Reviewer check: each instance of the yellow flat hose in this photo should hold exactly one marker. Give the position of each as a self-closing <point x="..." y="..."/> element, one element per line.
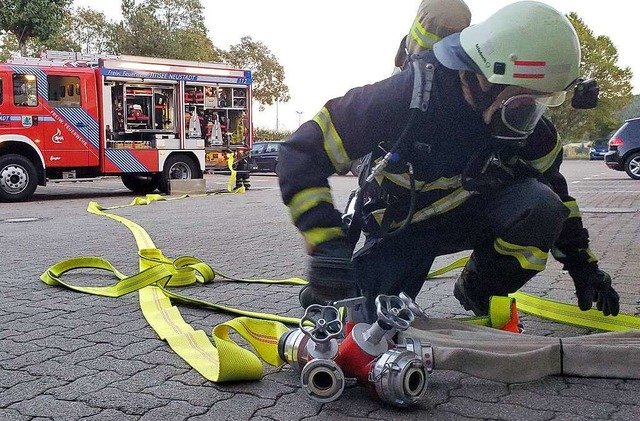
<point x="560" y="312"/>
<point x="227" y="361"/>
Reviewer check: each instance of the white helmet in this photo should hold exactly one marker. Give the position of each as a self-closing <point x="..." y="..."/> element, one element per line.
<point x="527" y="44"/>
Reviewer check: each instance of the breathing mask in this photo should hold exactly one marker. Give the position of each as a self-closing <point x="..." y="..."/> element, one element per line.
<point x="518" y="115"/>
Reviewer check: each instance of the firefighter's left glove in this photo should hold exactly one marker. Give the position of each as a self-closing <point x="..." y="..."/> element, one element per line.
<point x="330" y="274"/>
<point x="594" y="286"/>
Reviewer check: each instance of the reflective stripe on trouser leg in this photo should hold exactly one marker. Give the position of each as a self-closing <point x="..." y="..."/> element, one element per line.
<point x="526" y="219"/>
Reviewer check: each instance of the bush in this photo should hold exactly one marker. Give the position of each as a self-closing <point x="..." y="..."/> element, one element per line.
<point x="262" y="135"/>
<point x="576" y="151"/>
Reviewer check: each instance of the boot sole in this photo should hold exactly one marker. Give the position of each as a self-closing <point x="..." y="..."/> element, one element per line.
<point x="467" y="303"/>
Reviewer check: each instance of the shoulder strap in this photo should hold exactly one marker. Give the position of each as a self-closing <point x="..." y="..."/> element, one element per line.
<point x="424" y="66"/>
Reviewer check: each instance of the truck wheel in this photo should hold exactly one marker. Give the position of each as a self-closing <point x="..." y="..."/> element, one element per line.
<point x="18" y="178"/>
<point x="178" y="167"/>
<point x="140" y="183"/>
<point x="632" y="166"/>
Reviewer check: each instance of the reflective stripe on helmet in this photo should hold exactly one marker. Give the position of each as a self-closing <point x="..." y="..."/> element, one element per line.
<point x="527" y="44"/>
<point x="424" y="38"/>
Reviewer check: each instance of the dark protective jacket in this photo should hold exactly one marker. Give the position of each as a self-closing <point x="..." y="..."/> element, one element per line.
<point x="445" y="139"/>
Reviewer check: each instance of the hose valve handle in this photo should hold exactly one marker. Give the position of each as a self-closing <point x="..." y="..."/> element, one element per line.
<point x="393" y="312"/>
<point x="327" y="327"/>
<point x="393" y="316"/>
<point x="413" y="306"/>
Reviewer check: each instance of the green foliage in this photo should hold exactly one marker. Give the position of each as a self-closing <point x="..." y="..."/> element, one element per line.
<point x="599" y="61"/>
<point x="34" y="46"/>
<point x="268" y="73"/>
<point x="270" y="135"/>
<point x="164" y="28"/>
<point x="152" y="28"/>
<point x="92" y="31"/>
<point x="175" y="29"/>
<point x="32" y="19"/>
<point x="631" y="111"/>
<point x="8" y="45"/>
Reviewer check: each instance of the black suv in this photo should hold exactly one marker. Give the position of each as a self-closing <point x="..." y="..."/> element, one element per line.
<point x="624" y="149"/>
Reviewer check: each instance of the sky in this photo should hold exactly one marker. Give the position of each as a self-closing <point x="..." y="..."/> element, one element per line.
<point x="327" y="47"/>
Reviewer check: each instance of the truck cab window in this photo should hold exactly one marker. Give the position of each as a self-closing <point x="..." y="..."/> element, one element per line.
<point x="25" y="90"/>
<point x="64" y="91"/>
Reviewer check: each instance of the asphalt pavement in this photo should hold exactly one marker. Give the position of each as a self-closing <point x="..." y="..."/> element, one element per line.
<point x="71" y="356"/>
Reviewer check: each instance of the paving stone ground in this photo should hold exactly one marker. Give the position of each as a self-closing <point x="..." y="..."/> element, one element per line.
<point x="71" y="356"/>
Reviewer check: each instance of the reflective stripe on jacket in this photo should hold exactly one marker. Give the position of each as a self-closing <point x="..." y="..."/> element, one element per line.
<point x="370" y="119"/>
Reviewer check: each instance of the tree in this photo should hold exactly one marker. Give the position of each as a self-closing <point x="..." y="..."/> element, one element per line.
<point x="599" y="61"/>
<point x="61" y="39"/>
<point x="175" y="29"/>
<point x="91" y="31"/>
<point x="268" y="73"/>
<point x="8" y="46"/>
<point x="27" y="19"/>
<point x="153" y="28"/>
<point x="164" y="28"/>
<point x="33" y="47"/>
<point x="632" y="110"/>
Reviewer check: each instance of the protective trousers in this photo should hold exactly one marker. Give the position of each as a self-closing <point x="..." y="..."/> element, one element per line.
<point x="510" y="232"/>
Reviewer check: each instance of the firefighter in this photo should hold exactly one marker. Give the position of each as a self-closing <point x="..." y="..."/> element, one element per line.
<point x="434" y="20"/>
<point x="476" y="168"/>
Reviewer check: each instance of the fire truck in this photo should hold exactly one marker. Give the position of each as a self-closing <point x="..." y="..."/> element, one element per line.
<point x="75" y="117"/>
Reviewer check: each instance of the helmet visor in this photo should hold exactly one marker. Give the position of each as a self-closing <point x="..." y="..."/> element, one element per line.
<point x="521" y="113"/>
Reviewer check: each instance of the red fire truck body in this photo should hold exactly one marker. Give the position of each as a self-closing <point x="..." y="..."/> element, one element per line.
<point x="68" y="117"/>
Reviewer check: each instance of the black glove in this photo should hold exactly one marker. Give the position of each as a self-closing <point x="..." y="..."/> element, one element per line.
<point x="330" y="274"/>
<point x="594" y="285"/>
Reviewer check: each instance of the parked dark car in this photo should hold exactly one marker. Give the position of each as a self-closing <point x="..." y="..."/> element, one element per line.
<point x="624" y="149"/>
<point x="598" y="149"/>
<point x="264" y="156"/>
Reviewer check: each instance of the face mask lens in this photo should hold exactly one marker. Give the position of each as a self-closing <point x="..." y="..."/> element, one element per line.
<point x="521" y="113"/>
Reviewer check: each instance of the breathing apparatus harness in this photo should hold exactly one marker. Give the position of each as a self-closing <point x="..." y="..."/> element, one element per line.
<point x="396" y="157"/>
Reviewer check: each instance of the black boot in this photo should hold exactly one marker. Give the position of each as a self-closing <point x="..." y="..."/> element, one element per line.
<point x="310" y="294"/>
<point x="330" y="274"/>
<point x="471" y="291"/>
